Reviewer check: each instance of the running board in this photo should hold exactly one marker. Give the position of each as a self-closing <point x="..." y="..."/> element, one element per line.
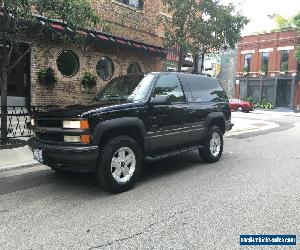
<point x="172" y="153"/>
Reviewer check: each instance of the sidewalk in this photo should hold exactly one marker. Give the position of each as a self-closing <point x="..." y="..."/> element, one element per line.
<point x="277" y="112"/>
<point x="15" y="158"/>
<point x="244" y="125"/>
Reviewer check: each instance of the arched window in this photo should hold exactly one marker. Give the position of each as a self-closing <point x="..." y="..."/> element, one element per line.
<point x="105" y="68"/>
<point x="139" y="4"/>
<point x="67" y="63"/>
<point x="134" y="68"/>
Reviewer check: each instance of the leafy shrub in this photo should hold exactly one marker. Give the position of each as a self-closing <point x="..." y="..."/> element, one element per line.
<point x="89" y="80"/>
<point x="266" y="105"/>
<point x="252" y="99"/>
<point x="46" y="76"/>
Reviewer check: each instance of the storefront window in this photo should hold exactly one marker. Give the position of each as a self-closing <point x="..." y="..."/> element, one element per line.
<point x="265" y="62"/>
<point x="105" y="68"/>
<point x="134" y="68"/>
<point x="67" y="63"/>
<point x="247" y="62"/>
<point x="284" y="65"/>
<point x="139" y="4"/>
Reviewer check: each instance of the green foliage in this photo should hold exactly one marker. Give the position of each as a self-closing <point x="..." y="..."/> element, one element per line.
<point x="217" y="26"/>
<point x="284" y="67"/>
<point x="252" y="100"/>
<point x="266" y="105"/>
<point x="263" y="69"/>
<point x="46" y="76"/>
<point x="296" y="21"/>
<point x="89" y="80"/>
<point x="283" y="23"/>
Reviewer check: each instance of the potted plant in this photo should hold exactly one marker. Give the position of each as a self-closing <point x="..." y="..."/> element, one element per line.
<point x="246" y="71"/>
<point x="284" y="68"/>
<point x="89" y="80"/>
<point x="263" y="70"/>
<point x="46" y="76"/>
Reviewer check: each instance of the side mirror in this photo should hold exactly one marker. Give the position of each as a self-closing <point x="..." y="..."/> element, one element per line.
<point x="160" y="100"/>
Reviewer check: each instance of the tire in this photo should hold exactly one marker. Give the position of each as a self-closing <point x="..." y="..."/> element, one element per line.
<point x="240" y="109"/>
<point x="114" y="173"/>
<point x="210" y="153"/>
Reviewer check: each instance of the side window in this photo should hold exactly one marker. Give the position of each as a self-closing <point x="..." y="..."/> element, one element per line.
<point x="169" y="85"/>
<point x="205" y="89"/>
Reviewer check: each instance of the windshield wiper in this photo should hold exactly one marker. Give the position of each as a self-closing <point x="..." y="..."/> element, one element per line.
<point x="112" y="97"/>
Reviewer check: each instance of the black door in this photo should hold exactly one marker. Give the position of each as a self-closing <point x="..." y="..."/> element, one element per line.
<point x="168" y="124"/>
<point x="284" y="93"/>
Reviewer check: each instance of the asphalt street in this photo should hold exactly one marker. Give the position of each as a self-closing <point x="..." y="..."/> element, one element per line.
<point x="179" y="203"/>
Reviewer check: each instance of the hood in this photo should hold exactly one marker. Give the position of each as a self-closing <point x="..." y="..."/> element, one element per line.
<point x="80" y="110"/>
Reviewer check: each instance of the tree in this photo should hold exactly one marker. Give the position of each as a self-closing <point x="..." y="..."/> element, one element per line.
<point x="296" y="21"/>
<point x="283" y="23"/>
<point x="17" y="21"/>
<point x="178" y="28"/>
<point x="203" y="26"/>
<point x="219" y="26"/>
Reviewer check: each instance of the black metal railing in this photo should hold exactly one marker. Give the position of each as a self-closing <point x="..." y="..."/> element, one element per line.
<point x="18" y="123"/>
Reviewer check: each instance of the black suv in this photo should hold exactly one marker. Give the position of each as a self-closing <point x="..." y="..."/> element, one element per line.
<point x="134" y="117"/>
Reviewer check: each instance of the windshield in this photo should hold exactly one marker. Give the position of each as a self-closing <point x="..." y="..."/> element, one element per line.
<point x="130" y="87"/>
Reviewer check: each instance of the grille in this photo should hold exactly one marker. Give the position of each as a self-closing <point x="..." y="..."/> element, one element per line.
<point x="50" y="136"/>
<point x="51" y="123"/>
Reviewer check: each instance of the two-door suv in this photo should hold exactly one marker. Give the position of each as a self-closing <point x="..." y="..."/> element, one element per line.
<point x="135" y="117"/>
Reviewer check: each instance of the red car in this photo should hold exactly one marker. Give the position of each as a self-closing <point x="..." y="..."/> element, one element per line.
<point x="240" y="105"/>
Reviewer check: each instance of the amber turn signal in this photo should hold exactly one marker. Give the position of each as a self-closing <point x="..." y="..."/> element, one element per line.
<point x="84" y="124"/>
<point x="85" y="139"/>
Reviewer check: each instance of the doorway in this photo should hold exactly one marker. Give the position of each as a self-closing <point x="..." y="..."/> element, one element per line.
<point x="18" y="88"/>
<point x="283" y="93"/>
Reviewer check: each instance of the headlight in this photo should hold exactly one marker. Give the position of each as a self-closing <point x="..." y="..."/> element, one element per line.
<point x="32" y="122"/>
<point x="82" y="124"/>
<point x="71" y="124"/>
<point x="68" y="138"/>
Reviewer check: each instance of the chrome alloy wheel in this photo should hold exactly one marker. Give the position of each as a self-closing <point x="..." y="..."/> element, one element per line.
<point x="123" y="165"/>
<point x="215" y="144"/>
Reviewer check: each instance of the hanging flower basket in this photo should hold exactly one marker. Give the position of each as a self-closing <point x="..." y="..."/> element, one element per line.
<point x="46" y="76"/>
<point x="89" y="80"/>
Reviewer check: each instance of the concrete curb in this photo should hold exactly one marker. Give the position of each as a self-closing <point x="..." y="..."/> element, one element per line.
<point x="18" y="166"/>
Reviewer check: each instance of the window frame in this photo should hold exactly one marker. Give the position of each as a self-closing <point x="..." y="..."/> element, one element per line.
<point x="263" y="62"/>
<point x="76" y="58"/>
<point x="245" y="59"/>
<point x="152" y="95"/>
<point x="281" y="58"/>
<point x="113" y="68"/>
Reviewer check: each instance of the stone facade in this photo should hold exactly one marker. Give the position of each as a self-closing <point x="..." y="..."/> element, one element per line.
<point x="125" y="21"/>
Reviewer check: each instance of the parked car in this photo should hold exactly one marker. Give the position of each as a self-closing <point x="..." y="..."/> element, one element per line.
<point x="240" y="105"/>
<point x="135" y="117"/>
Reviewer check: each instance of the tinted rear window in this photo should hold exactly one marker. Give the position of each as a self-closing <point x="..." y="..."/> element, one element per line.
<point x="204" y="89"/>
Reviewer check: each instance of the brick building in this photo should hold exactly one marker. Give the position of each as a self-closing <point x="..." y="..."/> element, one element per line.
<point x="135" y="43"/>
<point x="268" y="70"/>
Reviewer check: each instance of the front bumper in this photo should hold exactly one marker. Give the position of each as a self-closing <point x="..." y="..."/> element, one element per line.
<point x="68" y="158"/>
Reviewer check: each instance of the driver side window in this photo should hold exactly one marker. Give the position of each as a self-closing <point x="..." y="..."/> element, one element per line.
<point x="168" y="84"/>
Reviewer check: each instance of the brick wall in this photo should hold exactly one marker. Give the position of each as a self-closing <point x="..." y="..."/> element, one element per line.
<point x="68" y="90"/>
<point x="266" y="41"/>
<point x="141" y="25"/>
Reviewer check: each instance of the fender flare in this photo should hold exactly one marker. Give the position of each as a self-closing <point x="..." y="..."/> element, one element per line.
<point x="107" y="125"/>
<point x="209" y="118"/>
